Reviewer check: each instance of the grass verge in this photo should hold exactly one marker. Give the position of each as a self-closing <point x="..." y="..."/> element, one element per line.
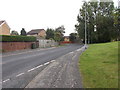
<point x="99" y="66"/>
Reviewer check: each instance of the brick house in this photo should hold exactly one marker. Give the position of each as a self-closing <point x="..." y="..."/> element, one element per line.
<point x="39" y="33"/>
<point x="4" y="28"/>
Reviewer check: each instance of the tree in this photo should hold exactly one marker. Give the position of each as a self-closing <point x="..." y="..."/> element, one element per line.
<point x="99" y="14"/>
<point x="14" y="32"/>
<point x="50" y="33"/>
<point x="73" y="37"/>
<point x="59" y="33"/>
<point x="61" y="29"/>
<point x="117" y="22"/>
<point x="56" y="34"/>
<point x="23" y="32"/>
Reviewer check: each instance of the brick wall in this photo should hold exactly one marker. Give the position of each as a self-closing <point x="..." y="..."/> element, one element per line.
<point x="13" y="46"/>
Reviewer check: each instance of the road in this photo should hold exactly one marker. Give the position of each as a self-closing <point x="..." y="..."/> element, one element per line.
<point x="18" y="68"/>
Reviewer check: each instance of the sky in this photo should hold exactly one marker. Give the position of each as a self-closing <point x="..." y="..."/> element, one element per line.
<point x="41" y="14"/>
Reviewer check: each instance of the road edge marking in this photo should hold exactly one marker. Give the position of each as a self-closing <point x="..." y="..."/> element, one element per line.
<point x="46" y="63"/>
<point x="5" y="80"/>
<point x="20" y="74"/>
<point x="52" y="61"/>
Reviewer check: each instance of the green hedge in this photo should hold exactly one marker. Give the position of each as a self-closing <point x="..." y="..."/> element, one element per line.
<point x="8" y="38"/>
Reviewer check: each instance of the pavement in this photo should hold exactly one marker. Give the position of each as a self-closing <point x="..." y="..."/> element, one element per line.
<point x="62" y="73"/>
<point x="21" y="67"/>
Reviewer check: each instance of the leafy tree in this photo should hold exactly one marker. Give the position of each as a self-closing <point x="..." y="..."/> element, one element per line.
<point x="117" y="22"/>
<point x="73" y="37"/>
<point x="50" y="33"/>
<point x="59" y="33"/>
<point x="23" y="32"/>
<point x="56" y="34"/>
<point x="99" y="14"/>
<point x="61" y="29"/>
<point x="14" y="32"/>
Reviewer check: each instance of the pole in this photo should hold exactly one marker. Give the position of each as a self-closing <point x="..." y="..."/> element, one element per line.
<point x="85" y="26"/>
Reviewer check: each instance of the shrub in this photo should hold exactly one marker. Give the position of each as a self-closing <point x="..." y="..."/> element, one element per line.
<point x="8" y="38"/>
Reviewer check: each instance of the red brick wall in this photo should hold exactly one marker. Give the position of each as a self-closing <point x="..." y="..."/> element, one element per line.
<point x="13" y="46"/>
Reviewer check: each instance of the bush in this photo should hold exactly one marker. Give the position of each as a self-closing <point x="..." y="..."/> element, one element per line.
<point x="7" y="38"/>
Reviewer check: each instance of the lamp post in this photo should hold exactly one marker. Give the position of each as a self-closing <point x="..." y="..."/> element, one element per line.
<point x="85" y="26"/>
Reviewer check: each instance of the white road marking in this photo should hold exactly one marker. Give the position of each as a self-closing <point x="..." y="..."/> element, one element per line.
<point x="46" y="63"/>
<point x="79" y="49"/>
<point x="52" y="60"/>
<point x="19" y="74"/>
<point x="34" y="68"/>
<point x="31" y="69"/>
<point x="6" y="80"/>
<point x="39" y="66"/>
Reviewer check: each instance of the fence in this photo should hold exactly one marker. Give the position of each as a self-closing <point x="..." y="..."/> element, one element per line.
<point x="47" y="43"/>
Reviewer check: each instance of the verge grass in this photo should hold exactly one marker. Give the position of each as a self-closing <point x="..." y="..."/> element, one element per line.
<point x="99" y="66"/>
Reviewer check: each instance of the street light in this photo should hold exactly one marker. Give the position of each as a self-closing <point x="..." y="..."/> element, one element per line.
<point x="85" y="26"/>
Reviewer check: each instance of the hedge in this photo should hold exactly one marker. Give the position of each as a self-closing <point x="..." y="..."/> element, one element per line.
<point x="8" y="38"/>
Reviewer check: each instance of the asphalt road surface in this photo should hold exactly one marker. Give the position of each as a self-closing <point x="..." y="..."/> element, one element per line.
<point x="18" y="68"/>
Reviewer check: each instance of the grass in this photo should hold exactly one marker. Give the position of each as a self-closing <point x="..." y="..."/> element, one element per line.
<point x="99" y="66"/>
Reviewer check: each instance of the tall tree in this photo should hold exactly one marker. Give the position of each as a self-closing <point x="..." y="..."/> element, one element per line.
<point x="23" y="32"/>
<point x="73" y="37"/>
<point x="59" y="33"/>
<point x="60" y="30"/>
<point x="117" y="22"/>
<point x="50" y="33"/>
<point x="99" y="14"/>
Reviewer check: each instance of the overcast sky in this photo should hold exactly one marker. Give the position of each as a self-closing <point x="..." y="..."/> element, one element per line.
<point x="40" y="14"/>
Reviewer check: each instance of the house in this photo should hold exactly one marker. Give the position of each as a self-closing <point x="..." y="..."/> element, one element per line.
<point x="39" y="33"/>
<point x="4" y="28"/>
<point x="66" y="38"/>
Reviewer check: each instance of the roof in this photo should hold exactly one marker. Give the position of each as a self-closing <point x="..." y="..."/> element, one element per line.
<point x="1" y="22"/>
<point x="35" y="31"/>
